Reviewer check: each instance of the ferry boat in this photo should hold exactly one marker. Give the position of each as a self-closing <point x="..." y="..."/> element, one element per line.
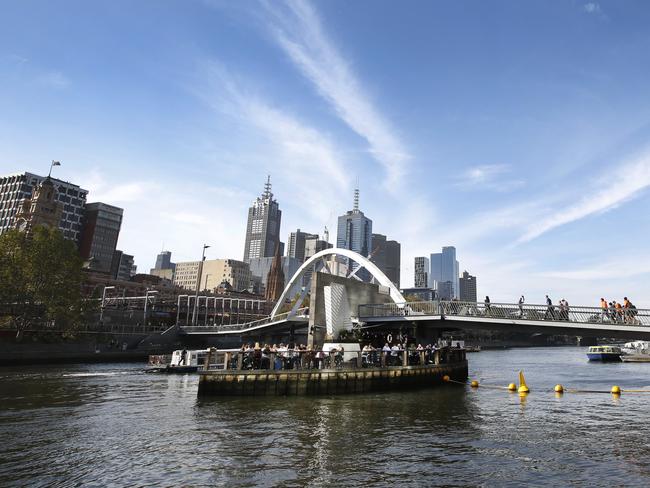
<point x="176" y="363"/>
<point x="605" y="353"/>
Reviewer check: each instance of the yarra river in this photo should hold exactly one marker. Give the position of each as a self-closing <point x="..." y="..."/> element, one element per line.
<point x="113" y="425"/>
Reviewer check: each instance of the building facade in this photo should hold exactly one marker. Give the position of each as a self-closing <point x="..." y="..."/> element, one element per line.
<point x="164" y="266"/>
<point x="421" y="272"/>
<point x="354" y="232"/>
<point x="386" y="254"/>
<point x="275" y="279"/>
<point x="419" y="294"/>
<point x="101" y="229"/>
<point x="18" y="187"/>
<point x="468" y="287"/>
<point x="444" y="269"/>
<point x="215" y="271"/>
<point x="296" y="244"/>
<point x="122" y="266"/>
<point x="263" y="227"/>
<point x="260" y="268"/>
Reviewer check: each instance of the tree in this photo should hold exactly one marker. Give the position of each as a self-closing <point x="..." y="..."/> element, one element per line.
<point x="40" y="280"/>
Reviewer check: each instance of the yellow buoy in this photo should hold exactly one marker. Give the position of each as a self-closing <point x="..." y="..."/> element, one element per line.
<point x="512" y="387"/>
<point x="523" y="388"/>
<point x="474" y="384"/>
<point x="559" y="389"/>
<point x="445" y="378"/>
<point x="616" y="390"/>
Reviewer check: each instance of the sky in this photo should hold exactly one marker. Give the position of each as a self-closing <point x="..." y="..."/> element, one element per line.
<point x="518" y="132"/>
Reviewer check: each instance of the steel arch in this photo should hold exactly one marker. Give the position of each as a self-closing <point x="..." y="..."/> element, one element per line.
<point x="356" y="257"/>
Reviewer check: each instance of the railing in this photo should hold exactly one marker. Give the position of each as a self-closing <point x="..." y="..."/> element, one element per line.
<point x="300" y="313"/>
<point x="510" y="311"/>
<point x="299" y="360"/>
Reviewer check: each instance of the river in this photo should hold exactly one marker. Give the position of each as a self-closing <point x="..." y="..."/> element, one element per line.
<point x="114" y="425"/>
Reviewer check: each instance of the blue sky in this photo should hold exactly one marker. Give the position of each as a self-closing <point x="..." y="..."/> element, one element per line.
<point x="517" y="131"/>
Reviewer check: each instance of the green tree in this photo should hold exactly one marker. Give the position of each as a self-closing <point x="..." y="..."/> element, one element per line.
<point x="40" y="280"/>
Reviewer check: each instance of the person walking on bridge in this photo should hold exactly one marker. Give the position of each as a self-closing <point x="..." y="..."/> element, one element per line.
<point x="487" y="305"/>
<point x="603" y="310"/>
<point x="550" y="310"/>
<point x="521" y="307"/>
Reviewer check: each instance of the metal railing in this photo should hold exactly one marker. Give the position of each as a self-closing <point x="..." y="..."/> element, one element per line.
<point x="300" y="313"/>
<point x="512" y="311"/>
<point x="305" y="360"/>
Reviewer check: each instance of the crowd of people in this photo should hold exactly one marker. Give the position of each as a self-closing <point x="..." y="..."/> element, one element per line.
<point x="292" y="356"/>
<point x="618" y="313"/>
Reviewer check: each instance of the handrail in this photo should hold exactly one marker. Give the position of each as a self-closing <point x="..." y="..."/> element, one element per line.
<point x="512" y="311"/>
<point x="249" y="325"/>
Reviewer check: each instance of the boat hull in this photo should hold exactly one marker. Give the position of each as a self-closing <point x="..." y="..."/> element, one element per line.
<point x="604" y="357"/>
<point x="636" y="358"/>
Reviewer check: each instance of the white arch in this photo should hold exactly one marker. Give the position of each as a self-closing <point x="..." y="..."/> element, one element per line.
<point x="356" y="257"/>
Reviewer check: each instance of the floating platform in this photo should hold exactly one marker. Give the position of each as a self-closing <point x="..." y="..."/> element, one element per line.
<point x="346" y="380"/>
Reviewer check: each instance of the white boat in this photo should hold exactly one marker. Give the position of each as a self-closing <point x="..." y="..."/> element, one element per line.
<point x="180" y="361"/>
<point x="636" y="352"/>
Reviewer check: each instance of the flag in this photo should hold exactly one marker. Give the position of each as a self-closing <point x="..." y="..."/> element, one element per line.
<point x="56" y="163"/>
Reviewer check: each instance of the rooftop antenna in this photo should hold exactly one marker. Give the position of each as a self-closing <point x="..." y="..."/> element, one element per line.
<point x="267" y="188"/>
<point x="356" y="197"/>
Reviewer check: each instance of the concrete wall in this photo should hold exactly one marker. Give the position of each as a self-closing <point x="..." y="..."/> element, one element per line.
<point x="359" y="293"/>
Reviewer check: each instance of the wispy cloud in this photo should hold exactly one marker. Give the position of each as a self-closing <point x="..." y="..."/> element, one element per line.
<point x="631" y="179"/>
<point x="609" y="270"/>
<point x="54" y="79"/>
<point x="102" y="190"/>
<point x="592" y="8"/>
<point x="298" y="29"/>
<point x="489" y="177"/>
<point x="307" y="159"/>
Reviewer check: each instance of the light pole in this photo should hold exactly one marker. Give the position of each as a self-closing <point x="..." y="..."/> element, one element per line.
<point x="146" y="301"/>
<point x="101" y="313"/>
<point x="198" y="285"/>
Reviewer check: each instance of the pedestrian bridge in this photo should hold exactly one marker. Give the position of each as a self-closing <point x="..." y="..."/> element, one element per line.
<point x="578" y="320"/>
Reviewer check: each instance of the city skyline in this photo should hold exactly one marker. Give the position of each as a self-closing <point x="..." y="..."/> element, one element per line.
<point x="524" y="151"/>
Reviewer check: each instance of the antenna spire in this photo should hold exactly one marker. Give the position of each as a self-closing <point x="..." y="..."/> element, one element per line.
<point x="267" y="187"/>
<point x="356" y="199"/>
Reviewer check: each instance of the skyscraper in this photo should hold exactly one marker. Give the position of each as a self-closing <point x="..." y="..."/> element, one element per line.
<point x="263" y="228"/>
<point x="421" y="277"/>
<point x="386" y="254"/>
<point x="164" y="266"/>
<point x="467" y="287"/>
<point x="354" y="232"/>
<point x="101" y="230"/>
<point x="444" y="269"/>
<point x="296" y="244"/>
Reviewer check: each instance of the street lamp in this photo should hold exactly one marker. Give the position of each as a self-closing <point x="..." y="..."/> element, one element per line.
<point x="146" y="301"/>
<point x="101" y="313"/>
<point x="198" y="285"/>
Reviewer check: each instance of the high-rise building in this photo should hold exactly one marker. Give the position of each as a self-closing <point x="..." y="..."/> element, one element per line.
<point x="122" y="266"/>
<point x="18" y="187"/>
<point x="444" y="268"/>
<point x="215" y="272"/>
<point x="386" y="254"/>
<point x="101" y="229"/>
<point x="314" y="245"/>
<point x="260" y="268"/>
<point x="421" y="276"/>
<point x="263" y="227"/>
<point x="164" y="266"/>
<point x="296" y="244"/>
<point x="164" y="260"/>
<point x="354" y="232"/>
<point x="467" y="287"/>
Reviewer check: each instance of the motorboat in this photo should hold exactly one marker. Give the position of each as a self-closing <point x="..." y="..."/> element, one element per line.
<point x="180" y="361"/>
<point x="636" y="352"/>
<point x="605" y="353"/>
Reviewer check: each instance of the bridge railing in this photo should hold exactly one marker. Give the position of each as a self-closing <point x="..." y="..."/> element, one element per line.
<point x="301" y="312"/>
<point x="512" y="311"/>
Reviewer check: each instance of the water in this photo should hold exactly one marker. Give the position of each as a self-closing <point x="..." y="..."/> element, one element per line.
<point x="113" y="425"/>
